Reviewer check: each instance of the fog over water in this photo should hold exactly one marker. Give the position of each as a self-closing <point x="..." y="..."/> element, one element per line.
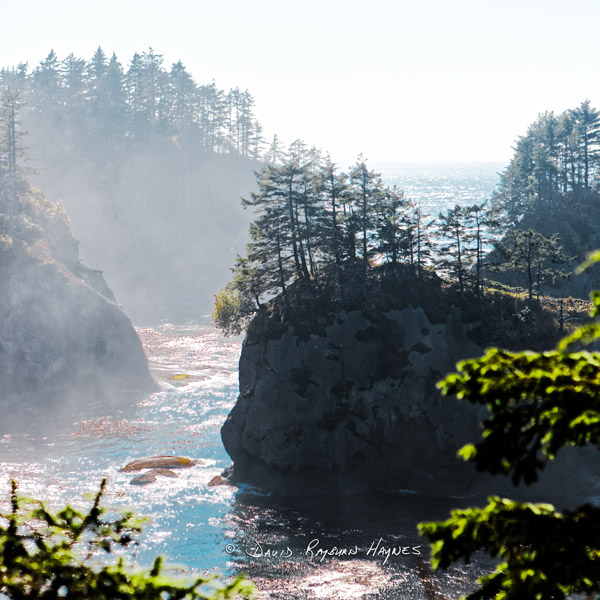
<point x="168" y="232"/>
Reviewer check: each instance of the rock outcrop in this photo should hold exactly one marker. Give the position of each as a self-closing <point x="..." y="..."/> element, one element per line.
<point x="61" y="331"/>
<point x="353" y="408"/>
<point x="346" y="402"/>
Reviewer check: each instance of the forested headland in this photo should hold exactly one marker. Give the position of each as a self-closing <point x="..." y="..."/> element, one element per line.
<point x="346" y="238"/>
<point x="149" y="164"/>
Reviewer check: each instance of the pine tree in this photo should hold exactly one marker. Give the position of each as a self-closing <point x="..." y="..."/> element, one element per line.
<point x="482" y="226"/>
<point x="334" y="189"/>
<point x="96" y="75"/>
<point x="115" y="106"/>
<point x="11" y="150"/>
<point x="257" y="141"/>
<point x="275" y="153"/>
<point x="587" y="120"/>
<point x="533" y="256"/>
<point x="134" y="83"/>
<point x="452" y="228"/>
<point x="182" y="95"/>
<point x="391" y="225"/>
<point x="419" y="240"/>
<point x="366" y="189"/>
<point x="73" y="92"/>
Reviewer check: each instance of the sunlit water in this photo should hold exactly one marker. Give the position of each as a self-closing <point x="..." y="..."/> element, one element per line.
<point x="60" y="456"/>
<point x="438" y="186"/>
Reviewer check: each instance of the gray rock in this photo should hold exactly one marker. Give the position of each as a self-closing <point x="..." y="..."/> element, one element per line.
<point x="354" y="409"/>
<point x="63" y="338"/>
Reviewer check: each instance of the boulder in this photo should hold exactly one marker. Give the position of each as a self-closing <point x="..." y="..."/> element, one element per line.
<point x="160" y="464"/>
<point x="150" y="476"/>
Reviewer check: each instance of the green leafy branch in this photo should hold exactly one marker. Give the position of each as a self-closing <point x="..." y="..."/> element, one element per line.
<point x="50" y="555"/>
<point x="538" y="403"/>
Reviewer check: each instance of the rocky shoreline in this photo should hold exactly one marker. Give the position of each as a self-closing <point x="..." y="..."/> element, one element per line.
<point x="63" y="337"/>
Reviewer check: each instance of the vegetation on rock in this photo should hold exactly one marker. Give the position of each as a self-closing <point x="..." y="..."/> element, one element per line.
<point x="324" y="229"/>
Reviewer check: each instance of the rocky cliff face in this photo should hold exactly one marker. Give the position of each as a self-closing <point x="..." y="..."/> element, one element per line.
<point x="61" y="331"/>
<point x="353" y="408"/>
<point x="349" y="405"/>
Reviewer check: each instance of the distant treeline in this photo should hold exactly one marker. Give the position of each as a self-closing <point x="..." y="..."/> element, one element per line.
<point x="99" y="98"/>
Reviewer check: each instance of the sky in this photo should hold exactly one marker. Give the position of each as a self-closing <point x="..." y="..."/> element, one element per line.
<point x="395" y="80"/>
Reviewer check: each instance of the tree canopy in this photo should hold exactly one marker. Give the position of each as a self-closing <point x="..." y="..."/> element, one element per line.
<point x="100" y="97"/>
<point x="312" y="221"/>
<point x="318" y="227"/>
<point x="552" y="182"/>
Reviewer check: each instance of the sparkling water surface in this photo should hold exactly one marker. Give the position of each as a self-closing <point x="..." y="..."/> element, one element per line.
<point x="310" y="548"/>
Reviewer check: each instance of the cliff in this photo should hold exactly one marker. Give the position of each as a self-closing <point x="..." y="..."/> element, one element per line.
<point x="345" y="401"/>
<point x="354" y="407"/>
<point x="61" y="332"/>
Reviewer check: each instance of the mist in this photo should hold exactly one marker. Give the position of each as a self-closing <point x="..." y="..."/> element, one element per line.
<point x="150" y="167"/>
<point x="167" y="232"/>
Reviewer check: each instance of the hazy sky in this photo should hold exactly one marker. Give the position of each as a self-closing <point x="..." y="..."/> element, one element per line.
<point x="398" y="80"/>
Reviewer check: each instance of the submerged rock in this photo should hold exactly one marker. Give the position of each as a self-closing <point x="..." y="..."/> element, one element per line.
<point x="150" y="476"/>
<point x="218" y="480"/>
<point x="144" y="479"/>
<point x="159" y="464"/>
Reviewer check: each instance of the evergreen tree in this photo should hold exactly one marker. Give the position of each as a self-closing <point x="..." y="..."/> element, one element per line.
<point x="482" y="226"/>
<point x="334" y="189"/>
<point x="115" y="106"/>
<point x="153" y="85"/>
<point x="134" y="83"/>
<point x="46" y="80"/>
<point x="275" y="153"/>
<point x="454" y="253"/>
<point x="419" y="240"/>
<point x="391" y="225"/>
<point x="274" y="236"/>
<point x="11" y="150"/>
<point x="74" y="85"/>
<point x="183" y="89"/>
<point x="97" y="71"/>
<point x="532" y="255"/>
<point x="293" y="182"/>
<point x="587" y="120"/>
<point x="257" y="141"/>
<point x="366" y="189"/>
